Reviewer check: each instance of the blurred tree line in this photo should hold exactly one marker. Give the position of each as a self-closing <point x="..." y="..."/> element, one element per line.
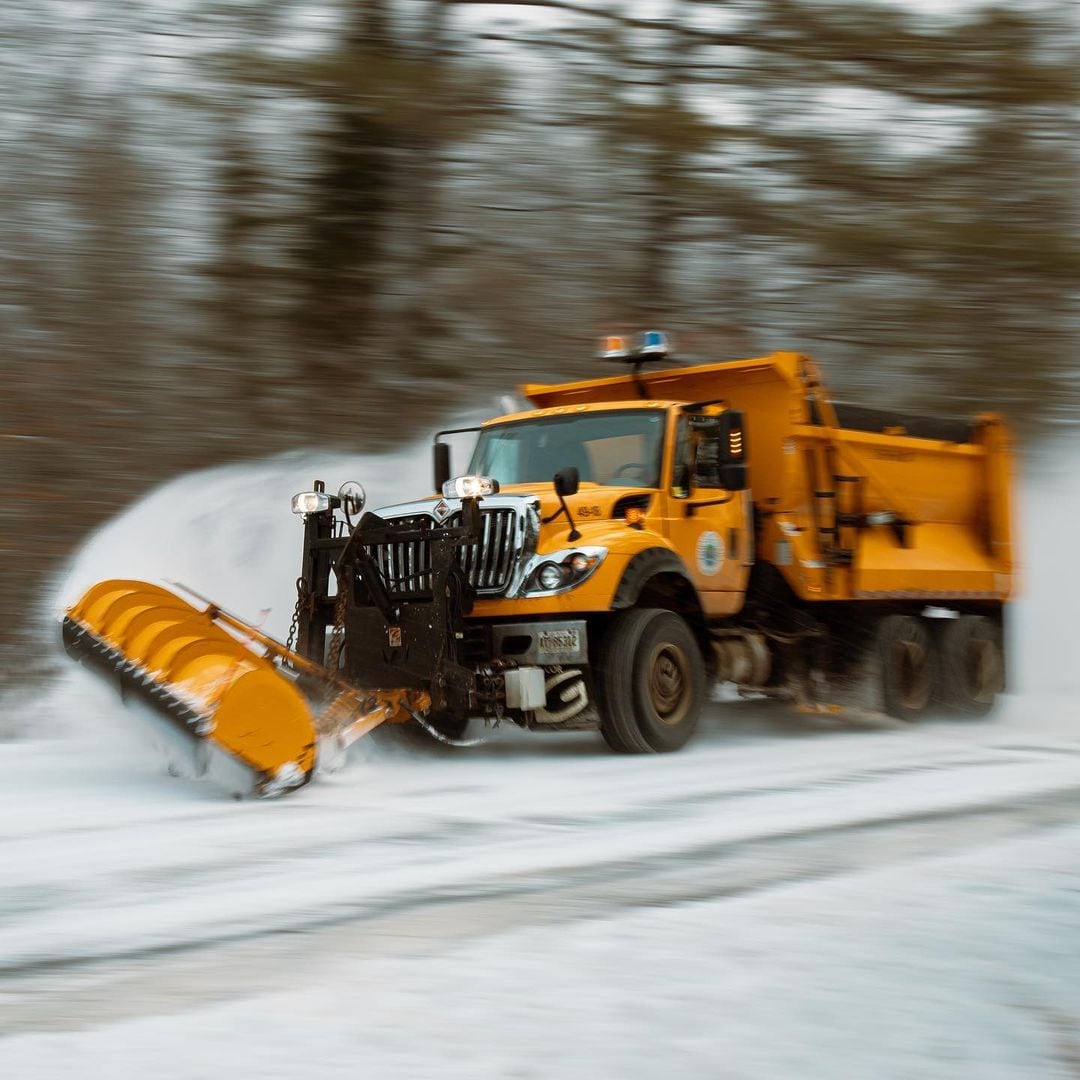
<point x="230" y="227"/>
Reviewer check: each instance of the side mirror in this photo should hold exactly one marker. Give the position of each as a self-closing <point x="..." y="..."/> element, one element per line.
<point x="733" y="472"/>
<point x="441" y="454"/>
<point x="566" y="481"/>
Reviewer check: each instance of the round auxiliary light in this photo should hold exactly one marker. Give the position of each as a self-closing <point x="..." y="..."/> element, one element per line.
<point x="550" y="576"/>
<point x="579" y="563"/>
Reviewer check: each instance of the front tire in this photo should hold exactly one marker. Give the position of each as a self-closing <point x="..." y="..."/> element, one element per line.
<point x="652" y="682"/>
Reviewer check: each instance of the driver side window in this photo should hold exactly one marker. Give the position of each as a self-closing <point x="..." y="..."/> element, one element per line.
<point x="697" y="456"/>
<point x="705" y="445"/>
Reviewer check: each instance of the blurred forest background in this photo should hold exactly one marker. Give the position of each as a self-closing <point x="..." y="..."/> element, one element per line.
<point x="234" y="227"/>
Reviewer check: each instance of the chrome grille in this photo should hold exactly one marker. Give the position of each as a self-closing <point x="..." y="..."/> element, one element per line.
<point x="488" y="565"/>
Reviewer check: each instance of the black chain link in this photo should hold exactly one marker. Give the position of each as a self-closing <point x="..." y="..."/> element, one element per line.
<point x="303" y="606"/>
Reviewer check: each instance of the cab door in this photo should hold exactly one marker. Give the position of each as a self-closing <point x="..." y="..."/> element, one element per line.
<point x="709" y="519"/>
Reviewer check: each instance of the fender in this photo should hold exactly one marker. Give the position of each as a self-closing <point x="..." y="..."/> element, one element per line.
<point x="644" y="566"/>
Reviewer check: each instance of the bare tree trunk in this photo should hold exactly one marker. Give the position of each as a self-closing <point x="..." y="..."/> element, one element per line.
<point x="419" y="328"/>
<point x="662" y="219"/>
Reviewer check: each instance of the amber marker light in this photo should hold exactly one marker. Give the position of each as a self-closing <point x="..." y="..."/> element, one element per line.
<point x="614" y="348"/>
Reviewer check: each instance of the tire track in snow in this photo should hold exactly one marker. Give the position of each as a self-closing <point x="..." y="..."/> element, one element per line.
<point x="71" y="994"/>
<point x="362" y="880"/>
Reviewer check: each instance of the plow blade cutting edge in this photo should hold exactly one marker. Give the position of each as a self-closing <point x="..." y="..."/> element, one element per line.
<point x="228" y="709"/>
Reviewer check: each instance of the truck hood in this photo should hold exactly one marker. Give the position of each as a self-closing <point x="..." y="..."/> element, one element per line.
<point x="593" y="502"/>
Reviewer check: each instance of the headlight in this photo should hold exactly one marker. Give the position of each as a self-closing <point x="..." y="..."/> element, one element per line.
<point x="551" y="576"/>
<point x="559" y="571"/>
<point x="470" y="487"/>
<point x="310" y="502"/>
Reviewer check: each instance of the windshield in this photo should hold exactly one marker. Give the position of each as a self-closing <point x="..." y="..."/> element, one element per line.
<point x="617" y="448"/>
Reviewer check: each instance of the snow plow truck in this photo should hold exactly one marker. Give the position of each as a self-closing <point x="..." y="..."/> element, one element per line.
<point x="604" y="558"/>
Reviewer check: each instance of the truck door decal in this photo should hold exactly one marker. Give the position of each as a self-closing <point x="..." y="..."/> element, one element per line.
<point x="710" y="552"/>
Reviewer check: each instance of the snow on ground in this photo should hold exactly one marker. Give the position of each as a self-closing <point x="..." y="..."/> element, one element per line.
<point x="966" y="967"/>
<point x="790" y="897"/>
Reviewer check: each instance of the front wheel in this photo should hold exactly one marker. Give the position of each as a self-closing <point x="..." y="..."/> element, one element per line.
<point x="652" y="682"/>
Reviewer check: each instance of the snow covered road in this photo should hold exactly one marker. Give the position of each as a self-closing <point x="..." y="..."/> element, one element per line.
<point x="110" y="880"/>
<point x="133" y="903"/>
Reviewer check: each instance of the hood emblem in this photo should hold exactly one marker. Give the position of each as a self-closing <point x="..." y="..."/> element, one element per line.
<point x="441" y="511"/>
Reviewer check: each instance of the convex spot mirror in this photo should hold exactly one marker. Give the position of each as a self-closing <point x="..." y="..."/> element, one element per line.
<point x="353" y="497"/>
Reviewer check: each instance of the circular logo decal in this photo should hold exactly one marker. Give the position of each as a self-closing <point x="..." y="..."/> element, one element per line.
<point x="710" y="552"/>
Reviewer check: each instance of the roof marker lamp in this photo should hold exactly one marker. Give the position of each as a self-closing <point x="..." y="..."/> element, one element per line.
<point x="470" y="487"/>
<point x="654" y="345"/>
<point x="614" y="348"/>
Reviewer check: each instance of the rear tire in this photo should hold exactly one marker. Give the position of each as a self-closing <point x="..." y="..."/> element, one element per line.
<point x="652" y="682"/>
<point x="972" y="664"/>
<point x="908" y="666"/>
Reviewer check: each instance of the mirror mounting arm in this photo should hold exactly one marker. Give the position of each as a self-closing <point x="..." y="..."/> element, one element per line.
<point x="565" y="482"/>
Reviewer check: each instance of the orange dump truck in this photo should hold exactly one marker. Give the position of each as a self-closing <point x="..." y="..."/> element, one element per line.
<point x="609" y="554"/>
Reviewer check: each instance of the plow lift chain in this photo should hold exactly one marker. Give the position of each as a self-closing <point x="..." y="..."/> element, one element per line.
<point x="304" y="606"/>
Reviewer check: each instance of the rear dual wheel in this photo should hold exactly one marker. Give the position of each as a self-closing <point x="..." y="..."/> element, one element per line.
<point x="908" y="661"/>
<point x="972" y="664"/>
<point x="651" y="680"/>
<point x="960" y="667"/>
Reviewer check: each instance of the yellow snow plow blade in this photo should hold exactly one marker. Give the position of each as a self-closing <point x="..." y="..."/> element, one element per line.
<point x="243" y="723"/>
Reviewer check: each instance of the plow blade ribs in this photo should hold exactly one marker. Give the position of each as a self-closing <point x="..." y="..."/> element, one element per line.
<point x="228" y="710"/>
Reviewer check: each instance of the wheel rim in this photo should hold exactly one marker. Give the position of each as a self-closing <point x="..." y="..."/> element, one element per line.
<point x="670" y="683"/>
<point x="913" y="675"/>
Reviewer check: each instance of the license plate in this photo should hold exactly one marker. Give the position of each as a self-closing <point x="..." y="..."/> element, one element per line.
<point x="558" y="641"/>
